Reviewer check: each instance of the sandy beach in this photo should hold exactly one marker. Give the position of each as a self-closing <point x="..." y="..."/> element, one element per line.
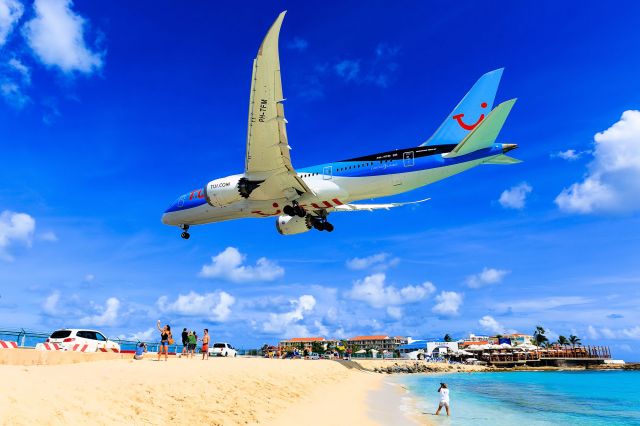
<point x="219" y="391"/>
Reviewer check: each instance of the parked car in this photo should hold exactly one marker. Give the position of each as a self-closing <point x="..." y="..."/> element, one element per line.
<point x="327" y="355"/>
<point x="94" y="340"/>
<point x="314" y="355"/>
<point x="222" y="349"/>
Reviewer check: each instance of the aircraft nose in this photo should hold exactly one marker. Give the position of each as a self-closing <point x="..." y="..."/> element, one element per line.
<point x="165" y="218"/>
<point x="506" y="147"/>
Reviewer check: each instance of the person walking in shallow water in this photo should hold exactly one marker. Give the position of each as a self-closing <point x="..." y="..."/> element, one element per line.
<point x="444" y="399"/>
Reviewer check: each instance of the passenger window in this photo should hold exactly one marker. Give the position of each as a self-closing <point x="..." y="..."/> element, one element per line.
<point x="100" y="337"/>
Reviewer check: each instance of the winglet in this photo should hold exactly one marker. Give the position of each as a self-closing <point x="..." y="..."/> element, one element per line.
<point x="471" y="110"/>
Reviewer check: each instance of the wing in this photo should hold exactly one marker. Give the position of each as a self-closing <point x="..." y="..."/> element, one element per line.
<point x="371" y="207"/>
<point x="268" y="157"/>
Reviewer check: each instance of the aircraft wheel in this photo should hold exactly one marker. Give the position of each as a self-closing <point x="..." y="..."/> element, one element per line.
<point x="300" y="211"/>
<point x="185" y="235"/>
<point x="328" y="227"/>
<point x="289" y="211"/>
<point x="318" y="225"/>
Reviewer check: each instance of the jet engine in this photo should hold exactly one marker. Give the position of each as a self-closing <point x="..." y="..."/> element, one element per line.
<point x="224" y="191"/>
<point x="289" y="225"/>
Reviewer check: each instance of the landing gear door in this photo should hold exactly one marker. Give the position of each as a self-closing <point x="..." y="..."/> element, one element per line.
<point x="327" y="173"/>
<point x="407" y="158"/>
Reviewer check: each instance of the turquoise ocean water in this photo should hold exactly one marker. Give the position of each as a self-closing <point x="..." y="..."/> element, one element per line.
<point x="532" y="398"/>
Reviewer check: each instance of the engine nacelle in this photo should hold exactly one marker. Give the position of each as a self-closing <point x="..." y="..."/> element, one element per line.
<point x="289" y="225"/>
<point x="224" y="191"/>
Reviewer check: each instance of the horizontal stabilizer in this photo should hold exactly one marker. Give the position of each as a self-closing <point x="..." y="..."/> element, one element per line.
<point x="503" y="159"/>
<point x="371" y="207"/>
<point x="486" y="133"/>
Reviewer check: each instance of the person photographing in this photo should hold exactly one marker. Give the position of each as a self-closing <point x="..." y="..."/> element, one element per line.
<point x="444" y="399"/>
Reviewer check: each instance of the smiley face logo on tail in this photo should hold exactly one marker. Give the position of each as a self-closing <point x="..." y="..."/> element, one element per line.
<point x="461" y="123"/>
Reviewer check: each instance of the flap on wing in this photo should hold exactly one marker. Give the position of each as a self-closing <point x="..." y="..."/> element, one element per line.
<point x="371" y="207"/>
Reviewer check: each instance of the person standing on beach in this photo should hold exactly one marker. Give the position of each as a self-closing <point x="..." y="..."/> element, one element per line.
<point x="444" y="399"/>
<point x="205" y="344"/>
<point x="185" y="340"/>
<point x="192" y="344"/>
<point x="165" y="338"/>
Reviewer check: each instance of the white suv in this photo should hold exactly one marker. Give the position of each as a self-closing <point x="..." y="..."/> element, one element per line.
<point x="94" y="340"/>
<point x="222" y="349"/>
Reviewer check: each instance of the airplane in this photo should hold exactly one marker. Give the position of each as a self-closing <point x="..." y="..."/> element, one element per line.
<point x="303" y="199"/>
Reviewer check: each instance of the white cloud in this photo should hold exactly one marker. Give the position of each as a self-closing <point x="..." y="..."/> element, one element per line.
<point x="486" y="277"/>
<point x="630" y="333"/>
<point x="570" y="154"/>
<point x="348" y="69"/>
<point x="298" y="44"/>
<point x="489" y="323"/>
<point x="13" y="94"/>
<point x="515" y="197"/>
<point x="612" y="182"/>
<point x="89" y="278"/>
<point x="15" y="228"/>
<point x="394" y="312"/>
<point x="10" y="13"/>
<point x="448" y="303"/>
<point x="542" y="304"/>
<point x="56" y="36"/>
<point x="228" y="265"/>
<point x="142" y="336"/>
<point x="372" y="290"/>
<point x="378" y="261"/>
<point x="214" y="306"/>
<point x="322" y="329"/>
<point x="49" y="236"/>
<point x="288" y="323"/>
<point x="108" y="317"/>
<point x="21" y="69"/>
<point x="50" y="304"/>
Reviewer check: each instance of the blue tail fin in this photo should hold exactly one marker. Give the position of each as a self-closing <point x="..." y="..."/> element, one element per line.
<point x="471" y="110"/>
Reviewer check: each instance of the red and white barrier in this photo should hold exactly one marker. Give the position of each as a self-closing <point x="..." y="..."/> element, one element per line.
<point x="48" y="347"/>
<point x="8" y="345"/>
<point x="80" y="348"/>
<point x="109" y="350"/>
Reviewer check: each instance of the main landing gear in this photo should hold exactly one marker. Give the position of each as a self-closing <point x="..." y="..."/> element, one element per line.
<point x="185" y="232"/>
<point x="321" y="224"/>
<point x="294" y="210"/>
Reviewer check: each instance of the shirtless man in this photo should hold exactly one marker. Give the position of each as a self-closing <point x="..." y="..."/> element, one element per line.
<point x="205" y="344"/>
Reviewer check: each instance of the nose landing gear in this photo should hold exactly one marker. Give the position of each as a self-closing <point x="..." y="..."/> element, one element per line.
<point x="185" y="231"/>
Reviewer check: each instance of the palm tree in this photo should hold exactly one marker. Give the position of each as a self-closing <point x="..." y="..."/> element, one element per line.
<point x="448" y="338"/>
<point x="538" y="336"/>
<point x="562" y="341"/>
<point x="575" y="341"/>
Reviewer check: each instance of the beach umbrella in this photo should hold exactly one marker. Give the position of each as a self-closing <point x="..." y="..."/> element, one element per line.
<point x="361" y="351"/>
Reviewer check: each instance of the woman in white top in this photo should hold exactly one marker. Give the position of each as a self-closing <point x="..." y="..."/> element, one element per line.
<point x="444" y="399"/>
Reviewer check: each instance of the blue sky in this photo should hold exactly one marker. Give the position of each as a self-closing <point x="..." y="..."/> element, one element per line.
<point x="109" y="111"/>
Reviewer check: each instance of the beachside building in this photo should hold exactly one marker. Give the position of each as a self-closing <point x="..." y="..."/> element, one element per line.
<point x="379" y="343"/>
<point x="427" y="348"/>
<point x="477" y="338"/>
<point x="518" y="338"/>
<point x="306" y="343"/>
